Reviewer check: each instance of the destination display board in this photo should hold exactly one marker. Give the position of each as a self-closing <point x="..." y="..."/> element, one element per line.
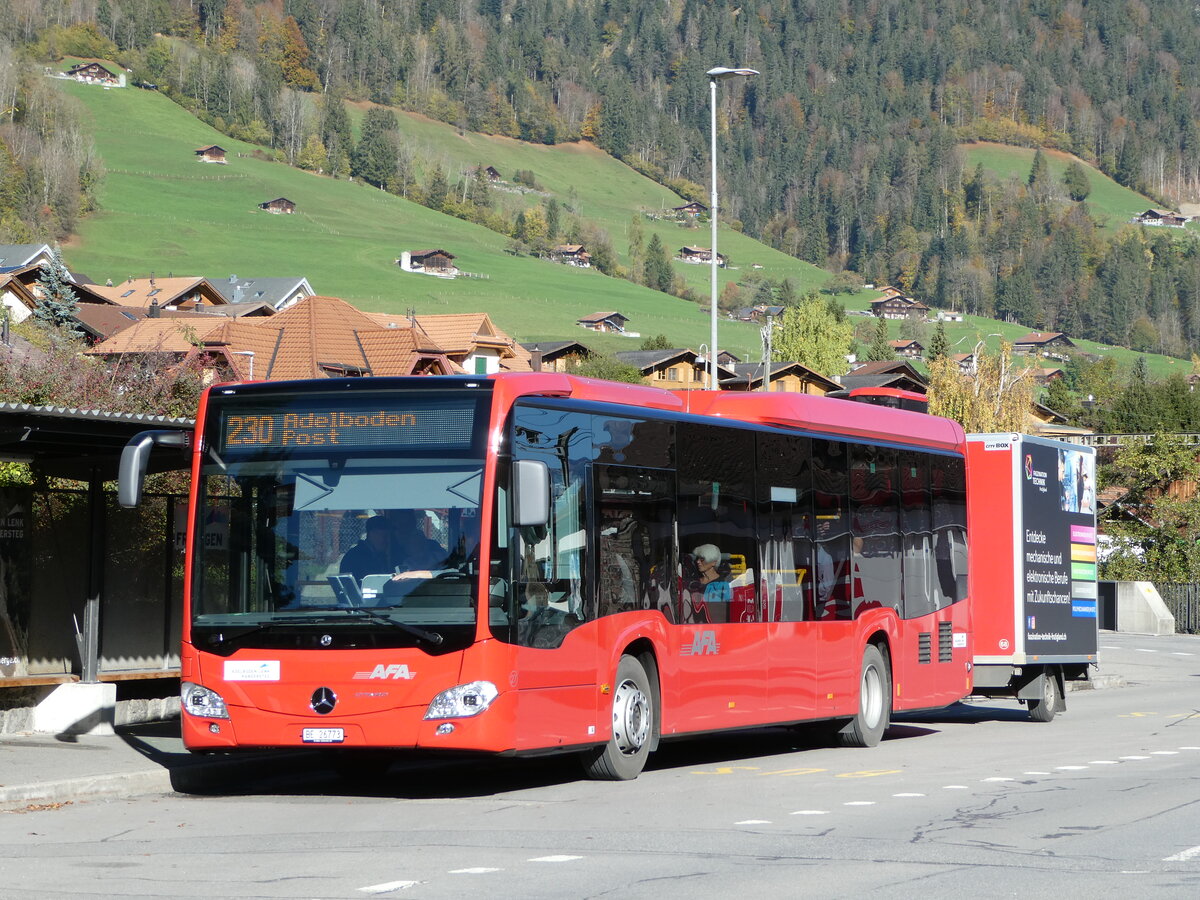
<point x="348" y="422"/>
<point x="1057" y="547"/>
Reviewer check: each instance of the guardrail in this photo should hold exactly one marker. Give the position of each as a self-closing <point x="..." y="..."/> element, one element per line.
<point x="1183" y="600"/>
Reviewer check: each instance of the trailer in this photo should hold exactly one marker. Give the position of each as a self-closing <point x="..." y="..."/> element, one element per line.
<point x="1032" y="573"/>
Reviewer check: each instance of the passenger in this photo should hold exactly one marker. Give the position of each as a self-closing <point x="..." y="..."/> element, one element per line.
<point x="713" y="581"/>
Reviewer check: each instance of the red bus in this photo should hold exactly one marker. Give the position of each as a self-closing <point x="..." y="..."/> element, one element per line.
<point x="616" y="565"/>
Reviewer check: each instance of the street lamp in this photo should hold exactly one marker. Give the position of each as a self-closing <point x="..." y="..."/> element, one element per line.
<point x="720" y="73"/>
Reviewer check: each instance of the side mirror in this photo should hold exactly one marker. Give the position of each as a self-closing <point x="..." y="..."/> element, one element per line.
<point x="531" y="493"/>
<point x="134" y="459"/>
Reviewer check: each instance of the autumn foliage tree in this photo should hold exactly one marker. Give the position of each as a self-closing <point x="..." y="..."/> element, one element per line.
<point x="996" y="398"/>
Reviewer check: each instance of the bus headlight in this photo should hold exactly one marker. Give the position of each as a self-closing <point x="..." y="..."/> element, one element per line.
<point x="462" y="701"/>
<point x="199" y="701"/>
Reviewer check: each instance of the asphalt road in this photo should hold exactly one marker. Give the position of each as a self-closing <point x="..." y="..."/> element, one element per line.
<point x="972" y="801"/>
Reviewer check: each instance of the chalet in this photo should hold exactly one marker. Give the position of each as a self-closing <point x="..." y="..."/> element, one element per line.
<point x="470" y="340"/>
<point x="279" y="206"/>
<point x="278" y="293"/>
<point x="888" y="373"/>
<point x="604" y="322"/>
<point x="965" y="363"/>
<point x="429" y="262"/>
<point x="759" y="313"/>
<point x="1044" y="376"/>
<point x="1052" y="344"/>
<point x="211" y="154"/>
<point x="691" y="210"/>
<point x="491" y="173"/>
<point x="572" y="255"/>
<point x="700" y="255"/>
<point x="945" y="315"/>
<point x="889" y="291"/>
<point x="556" y="356"/>
<point x="170" y="293"/>
<point x="319" y="337"/>
<point x="786" y="377"/>
<point x="898" y="306"/>
<point x="21" y="268"/>
<point x="1160" y="217"/>
<point x="910" y="349"/>
<point x="94" y="73"/>
<point x="674" y="370"/>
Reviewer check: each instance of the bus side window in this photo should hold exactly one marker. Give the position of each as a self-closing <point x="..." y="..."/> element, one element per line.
<point x="635" y="516"/>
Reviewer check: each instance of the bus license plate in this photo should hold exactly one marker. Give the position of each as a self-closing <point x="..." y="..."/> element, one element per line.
<point x="323" y="735"/>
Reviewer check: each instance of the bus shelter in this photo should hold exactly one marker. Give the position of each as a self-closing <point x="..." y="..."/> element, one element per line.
<point x="89" y="593"/>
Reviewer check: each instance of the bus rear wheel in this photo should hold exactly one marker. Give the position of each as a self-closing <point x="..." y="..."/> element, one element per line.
<point x="624" y="756"/>
<point x="874" y="702"/>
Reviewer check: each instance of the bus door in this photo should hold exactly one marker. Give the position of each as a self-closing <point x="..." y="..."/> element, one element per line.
<point x="545" y="608"/>
<point x="787" y="548"/>
<point x="721" y="641"/>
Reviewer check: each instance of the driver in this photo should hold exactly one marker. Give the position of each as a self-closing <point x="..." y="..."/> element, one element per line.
<point x="394" y="544"/>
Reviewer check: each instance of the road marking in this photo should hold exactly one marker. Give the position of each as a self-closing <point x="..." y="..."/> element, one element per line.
<point x="1184" y="856"/>
<point x="859" y="803"/>
<point x="908" y="795"/>
<point x="1164" y="752"/>
<point x="998" y="778"/>
<point x="1109" y="647"/>
<point x="868" y="773"/>
<point x="728" y="770"/>
<point x="554" y="859"/>
<point x="1181" y="653"/>
<point x="1135" y="757"/>
<point x="811" y="812"/>
<point x="795" y="772"/>
<point x="1103" y="762"/>
<point x="1035" y="773"/>
<point x="474" y="870"/>
<point x="1136" y="715"/>
<point x="1189" y="748"/>
<point x="753" y="822"/>
<point x="388" y="887"/>
<point x="955" y="787"/>
<point x="1071" y="768"/>
<point x="1144" y="650"/>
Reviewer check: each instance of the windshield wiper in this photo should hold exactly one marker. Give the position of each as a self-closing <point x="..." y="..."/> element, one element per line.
<point x="430" y="636"/>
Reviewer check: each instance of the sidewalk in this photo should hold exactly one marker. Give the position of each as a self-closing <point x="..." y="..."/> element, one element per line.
<point x="42" y="769"/>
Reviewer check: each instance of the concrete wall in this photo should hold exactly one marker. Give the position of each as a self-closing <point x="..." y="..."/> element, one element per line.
<point x="1141" y="610"/>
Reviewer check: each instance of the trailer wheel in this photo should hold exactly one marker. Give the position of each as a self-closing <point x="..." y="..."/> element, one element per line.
<point x="1044" y="708"/>
<point x="624" y="756"/>
<point x="874" y="702"/>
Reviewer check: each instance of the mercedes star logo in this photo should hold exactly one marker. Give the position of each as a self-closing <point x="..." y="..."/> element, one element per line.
<point x="323" y="701"/>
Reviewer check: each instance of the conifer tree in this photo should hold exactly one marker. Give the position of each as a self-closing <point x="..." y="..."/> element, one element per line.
<point x="56" y="302"/>
<point x="880" y="349"/>
<point x="657" y="272"/>
<point x="939" y="346"/>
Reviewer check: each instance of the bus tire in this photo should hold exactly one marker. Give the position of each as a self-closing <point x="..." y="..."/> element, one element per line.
<point x="1044" y="708"/>
<point x="874" y="702"/>
<point x="624" y="756"/>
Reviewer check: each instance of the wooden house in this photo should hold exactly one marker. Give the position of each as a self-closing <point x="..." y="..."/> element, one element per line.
<point x="94" y="73"/>
<point x="211" y="154"/>
<point x="690" y="210"/>
<point x="605" y="322"/>
<point x="674" y="370"/>
<point x="701" y="255"/>
<point x="786" y="377"/>
<point x="898" y="306"/>
<point x="910" y="349"/>
<point x="491" y="173"/>
<point x="572" y="255"/>
<point x="1161" y="217"/>
<point x="556" y="356"/>
<point x="1052" y="344"/>
<point x="279" y="206"/>
<point x="429" y="262"/>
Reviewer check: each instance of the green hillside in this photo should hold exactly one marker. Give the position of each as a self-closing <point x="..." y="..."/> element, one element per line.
<point x="164" y="212"/>
<point x="1111" y="204"/>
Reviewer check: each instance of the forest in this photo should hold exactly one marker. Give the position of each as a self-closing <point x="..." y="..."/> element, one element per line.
<point x="845" y="151"/>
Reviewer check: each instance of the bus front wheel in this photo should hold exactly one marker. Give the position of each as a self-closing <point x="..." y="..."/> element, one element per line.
<point x="624" y="756"/>
<point x="874" y="702"/>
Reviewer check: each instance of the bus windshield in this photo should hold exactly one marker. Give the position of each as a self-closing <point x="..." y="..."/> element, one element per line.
<point x="366" y="540"/>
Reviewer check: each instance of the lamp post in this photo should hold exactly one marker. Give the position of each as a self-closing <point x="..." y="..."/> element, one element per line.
<point x="720" y="73"/>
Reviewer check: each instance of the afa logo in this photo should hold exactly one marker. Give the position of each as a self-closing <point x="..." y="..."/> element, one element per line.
<point x="394" y="671"/>
<point x="1028" y="466"/>
<point x="703" y="643"/>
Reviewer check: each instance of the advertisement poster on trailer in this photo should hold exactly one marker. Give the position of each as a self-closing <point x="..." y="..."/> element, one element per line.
<point x="1058" y="548"/>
